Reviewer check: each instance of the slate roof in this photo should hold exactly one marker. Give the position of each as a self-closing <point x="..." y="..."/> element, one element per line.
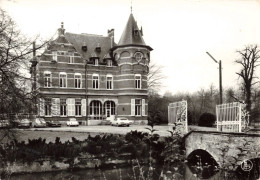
<point x="91" y="41"/>
<point x="62" y="40"/>
<point x="129" y="38"/>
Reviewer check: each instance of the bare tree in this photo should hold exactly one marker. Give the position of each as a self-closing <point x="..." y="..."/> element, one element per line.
<point x="249" y="60"/>
<point x="154" y="78"/>
<point x="15" y="56"/>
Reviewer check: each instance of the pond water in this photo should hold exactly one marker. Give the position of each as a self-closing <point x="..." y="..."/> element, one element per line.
<point x="126" y="173"/>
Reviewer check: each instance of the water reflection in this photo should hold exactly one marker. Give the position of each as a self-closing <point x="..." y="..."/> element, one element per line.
<point x="189" y="175"/>
<point x="110" y="174"/>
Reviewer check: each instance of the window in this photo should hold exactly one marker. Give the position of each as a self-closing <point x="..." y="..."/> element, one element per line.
<point x="136" y="32"/>
<point x="109" y="63"/>
<point x="78" y="107"/>
<point x="71" y="57"/>
<point x="96" y="62"/>
<point x="138" y="56"/>
<point x="63" y="107"/>
<point x="138" y="81"/>
<point x="109" y="82"/>
<point x="138" y="106"/>
<point x="77" y="80"/>
<point x="47" y="107"/>
<point x="96" y="109"/>
<point x="95" y="81"/>
<point x="63" y="80"/>
<point x="47" y="79"/>
<point x="54" y="55"/>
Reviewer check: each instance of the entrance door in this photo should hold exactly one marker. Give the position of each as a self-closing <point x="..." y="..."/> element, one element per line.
<point x="109" y="108"/>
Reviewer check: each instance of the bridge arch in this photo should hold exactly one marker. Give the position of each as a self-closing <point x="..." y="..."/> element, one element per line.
<point x="202" y="156"/>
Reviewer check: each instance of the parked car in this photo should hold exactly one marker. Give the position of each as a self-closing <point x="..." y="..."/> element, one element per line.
<point x="38" y="122"/>
<point x="121" y="121"/>
<point x="72" y="122"/>
<point x="53" y="123"/>
<point x="4" y="124"/>
<point x="23" y="123"/>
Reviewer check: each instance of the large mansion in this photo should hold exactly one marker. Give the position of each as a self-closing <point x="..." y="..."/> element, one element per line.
<point x="90" y="77"/>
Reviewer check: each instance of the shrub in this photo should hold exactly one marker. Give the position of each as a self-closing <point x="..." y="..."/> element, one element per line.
<point x="207" y="120"/>
<point x="190" y="118"/>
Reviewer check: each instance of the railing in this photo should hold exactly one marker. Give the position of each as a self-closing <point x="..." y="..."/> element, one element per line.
<point x="231" y="117"/>
<point x="177" y="114"/>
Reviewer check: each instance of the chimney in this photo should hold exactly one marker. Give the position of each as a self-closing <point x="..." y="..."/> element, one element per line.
<point x="110" y="33"/>
<point x="61" y="30"/>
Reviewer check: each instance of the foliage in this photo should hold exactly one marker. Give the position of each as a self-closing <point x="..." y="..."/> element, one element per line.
<point x="207" y="120"/>
<point x="143" y="147"/>
<point x="15" y="54"/>
<point x="158" y="109"/>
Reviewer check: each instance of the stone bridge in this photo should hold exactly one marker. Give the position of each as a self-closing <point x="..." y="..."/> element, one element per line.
<point x="227" y="149"/>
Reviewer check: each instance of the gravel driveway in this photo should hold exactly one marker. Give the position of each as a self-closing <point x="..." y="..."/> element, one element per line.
<point x="82" y="132"/>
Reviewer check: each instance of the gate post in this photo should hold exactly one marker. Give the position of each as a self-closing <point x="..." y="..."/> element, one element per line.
<point x="240" y="117"/>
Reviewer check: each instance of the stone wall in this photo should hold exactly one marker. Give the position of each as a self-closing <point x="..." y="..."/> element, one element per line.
<point x="228" y="149"/>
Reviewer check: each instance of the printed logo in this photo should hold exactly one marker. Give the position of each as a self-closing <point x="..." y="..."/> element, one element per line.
<point x="246" y="165"/>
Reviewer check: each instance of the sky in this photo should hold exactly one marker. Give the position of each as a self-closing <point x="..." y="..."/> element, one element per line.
<point x="179" y="31"/>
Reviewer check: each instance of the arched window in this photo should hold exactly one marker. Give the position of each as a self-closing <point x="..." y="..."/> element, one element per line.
<point x="110" y="108"/>
<point x="96" y="109"/>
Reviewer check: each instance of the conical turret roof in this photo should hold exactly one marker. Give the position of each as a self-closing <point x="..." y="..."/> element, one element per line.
<point x="131" y="35"/>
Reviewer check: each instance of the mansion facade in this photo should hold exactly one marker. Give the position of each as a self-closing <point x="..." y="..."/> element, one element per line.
<point x="90" y="77"/>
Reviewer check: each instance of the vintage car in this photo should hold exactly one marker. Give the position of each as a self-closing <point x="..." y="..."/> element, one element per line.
<point x="72" y="122"/>
<point x="23" y="123"/>
<point x="5" y="124"/>
<point x="38" y="122"/>
<point x="53" y="123"/>
<point x="121" y="121"/>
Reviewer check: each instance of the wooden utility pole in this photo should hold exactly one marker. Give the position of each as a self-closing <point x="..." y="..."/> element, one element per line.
<point x="220" y="77"/>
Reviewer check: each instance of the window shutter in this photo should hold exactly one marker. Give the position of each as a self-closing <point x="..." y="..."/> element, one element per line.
<point x="55" y="106"/>
<point x="83" y="104"/>
<point x="41" y="107"/>
<point x="58" y="106"/>
<point x="132" y="107"/>
<point x="68" y="102"/>
<point x="57" y="102"/>
<point x="72" y="107"/>
<point x="143" y="107"/>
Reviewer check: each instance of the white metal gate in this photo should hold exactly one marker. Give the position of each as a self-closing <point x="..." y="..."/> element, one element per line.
<point x="177" y="114"/>
<point x="231" y="117"/>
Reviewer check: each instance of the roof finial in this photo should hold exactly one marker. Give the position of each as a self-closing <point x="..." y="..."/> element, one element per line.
<point x="131" y="7"/>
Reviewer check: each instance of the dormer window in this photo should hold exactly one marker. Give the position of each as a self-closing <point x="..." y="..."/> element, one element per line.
<point x="136" y="32"/>
<point x="95" y="62"/>
<point x="98" y="48"/>
<point x="109" y="63"/>
<point x="84" y="47"/>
